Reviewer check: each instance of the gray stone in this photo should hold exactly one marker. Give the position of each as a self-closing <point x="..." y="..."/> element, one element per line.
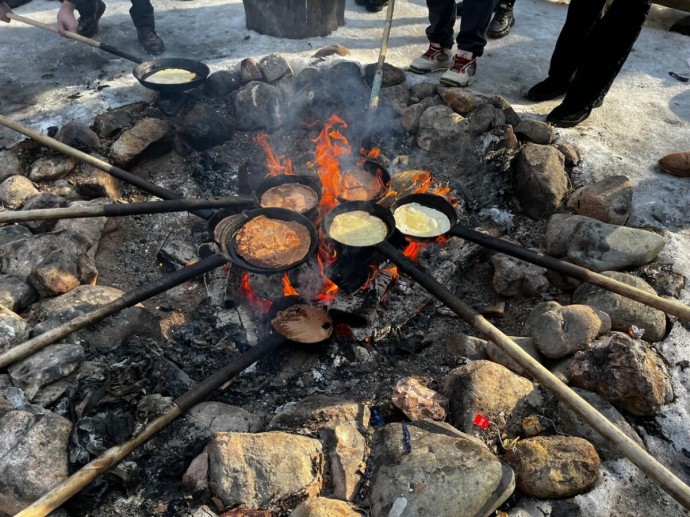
<point x="79" y="135"/>
<point x="572" y="423"/>
<point x="428" y="102"/>
<point x="570" y="153"/>
<point x="510" y="141"/>
<point x="499" y="356"/>
<point x="105" y="334"/>
<point x="501" y="103"/>
<point x="57" y="274"/>
<point x="208" y="418"/>
<point x="324" y="507"/>
<point x="46" y="366"/>
<point x="397" y="97"/>
<point x="317" y="412"/>
<point x="61" y="188"/>
<point x="258" y="106"/>
<point x="203" y="127"/>
<point x="33" y="457"/>
<point x="608" y="200"/>
<point x="15" y="294"/>
<point x="563" y="282"/>
<point x="515" y="277"/>
<point x="624" y="311"/>
<point x="10" y="165"/>
<point x="534" y="131"/>
<point x="417" y="401"/>
<point x="554" y="466"/>
<point x="485" y="118"/>
<point x="463" y="345"/>
<point x="259" y="470"/>
<point x="195" y="478"/>
<point x="423" y="90"/>
<point x="222" y="83"/>
<point x="49" y="168"/>
<point x="15" y="232"/>
<point x="274" y="67"/>
<point x="441" y="130"/>
<point x="460" y="100"/>
<point x="133" y="142"/>
<point x="561" y="331"/>
<point x="410" y="117"/>
<point x="483" y="387"/>
<point x="93" y="228"/>
<point x="446" y="473"/>
<point x="13" y="329"/>
<point x="626" y="372"/>
<point x="15" y="190"/>
<point x="93" y="183"/>
<point x="605" y="247"/>
<point x="540" y="181"/>
<point x="347" y="450"/>
<point x="559" y="230"/>
<point x="332" y="50"/>
<point x="392" y="76"/>
<point x="39" y="202"/>
<point x="250" y="70"/>
<point x="110" y="122"/>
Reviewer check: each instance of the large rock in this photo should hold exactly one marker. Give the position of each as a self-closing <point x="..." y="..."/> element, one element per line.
<point x="445" y="473"/>
<point x="16" y="232"/>
<point x="133" y="142"/>
<point x="110" y="122"/>
<point x="410" y="117"/>
<point x="392" y="75"/>
<point x="15" y="190"/>
<point x="46" y="366"/>
<point x="462" y="345"/>
<point x="540" y="181"/>
<point x="324" y="507"/>
<point x="609" y="200"/>
<point x="93" y="183"/>
<point x="347" y="450"/>
<point x="13" y="329"/>
<point x="49" y="168"/>
<point x="33" y="457"/>
<point x="623" y="311"/>
<point x="499" y="356"/>
<point x="625" y="371"/>
<point x="483" y="387"/>
<point x="93" y="228"/>
<point x="105" y="334"/>
<point x="260" y="470"/>
<point x="559" y="230"/>
<point x="460" y="100"/>
<point x="606" y="247"/>
<point x="79" y="135"/>
<point x="15" y="294"/>
<point x="560" y="331"/>
<point x="222" y="83"/>
<point x="258" y="106"/>
<point x="208" y="418"/>
<point x="274" y="67"/>
<point x="417" y="401"/>
<point x="573" y="424"/>
<point x="554" y="466"/>
<point x="317" y="412"/>
<point x="486" y="118"/>
<point x="534" y="131"/>
<point x="441" y="130"/>
<point x="10" y="165"/>
<point x="515" y="277"/>
<point x="39" y="202"/>
<point x="397" y="97"/>
<point x="204" y="127"/>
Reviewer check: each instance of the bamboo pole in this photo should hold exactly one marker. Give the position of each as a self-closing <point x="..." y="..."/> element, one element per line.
<point x="119" y="210"/>
<point x="631" y="450"/>
<point x="378" y="76"/>
<point x="80" y="479"/>
<point x="128" y="299"/>
<point x="578" y="272"/>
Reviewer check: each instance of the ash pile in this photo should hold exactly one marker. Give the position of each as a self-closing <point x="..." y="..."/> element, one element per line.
<point x="406" y="410"/>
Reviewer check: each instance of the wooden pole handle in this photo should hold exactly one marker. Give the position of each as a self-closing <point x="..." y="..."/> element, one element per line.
<point x="45" y="26"/>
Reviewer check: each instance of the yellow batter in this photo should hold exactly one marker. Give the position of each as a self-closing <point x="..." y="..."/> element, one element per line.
<point x="171" y="76"/>
<point x="420" y="221"/>
<point x="358" y="228"/>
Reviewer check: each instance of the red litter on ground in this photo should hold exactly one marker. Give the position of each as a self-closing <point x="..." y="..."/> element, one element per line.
<point x="481" y="421"/>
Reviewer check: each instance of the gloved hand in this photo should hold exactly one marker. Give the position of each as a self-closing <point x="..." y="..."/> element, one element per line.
<point x="66" y="20"/>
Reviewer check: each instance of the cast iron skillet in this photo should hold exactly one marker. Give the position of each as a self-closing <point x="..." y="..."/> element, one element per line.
<point x="226" y="237"/>
<point x="370" y="207"/>
<point x="432" y="201"/>
<point x="286" y="302"/>
<point x="147" y="68"/>
<point x="374" y="168"/>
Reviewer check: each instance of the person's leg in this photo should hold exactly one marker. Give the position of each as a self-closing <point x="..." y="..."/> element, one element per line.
<point x="143" y="18"/>
<point x="503" y="19"/>
<point x="90" y="11"/>
<point x="440" y="34"/>
<point x="567" y="54"/>
<point x="471" y="41"/>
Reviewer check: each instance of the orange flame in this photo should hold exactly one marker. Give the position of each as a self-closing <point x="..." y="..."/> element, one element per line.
<point x="288" y="290"/>
<point x="255" y="301"/>
<point x="331" y="146"/>
<point x="413" y="249"/>
<point x="276" y="164"/>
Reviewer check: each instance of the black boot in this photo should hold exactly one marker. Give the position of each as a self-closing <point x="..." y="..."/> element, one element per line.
<point x="151" y="42"/>
<point x="375" y="6"/>
<point x="502" y="22"/>
<point x="88" y="25"/>
<point x="565" y="116"/>
<point x="546" y="90"/>
<point x="458" y="8"/>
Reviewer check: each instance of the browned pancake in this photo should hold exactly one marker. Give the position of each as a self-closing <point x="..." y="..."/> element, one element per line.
<point x="358" y="185"/>
<point x="272" y="243"/>
<point x="293" y="196"/>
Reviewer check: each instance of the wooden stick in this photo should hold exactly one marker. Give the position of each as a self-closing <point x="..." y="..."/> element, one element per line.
<point x="378" y="76"/>
<point x="128" y="299"/>
<point x="631" y="450"/>
<point x="80" y="479"/>
<point x="578" y="272"/>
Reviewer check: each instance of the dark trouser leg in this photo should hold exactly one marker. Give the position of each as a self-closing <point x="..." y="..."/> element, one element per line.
<point x="581" y="18"/>
<point x="441" y="22"/>
<point x="142" y="14"/>
<point x="605" y="50"/>
<point x="86" y="8"/>
<point x="476" y="16"/>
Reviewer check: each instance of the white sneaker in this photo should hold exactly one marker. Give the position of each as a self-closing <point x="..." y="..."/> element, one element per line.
<point x="462" y="71"/>
<point x="433" y="60"/>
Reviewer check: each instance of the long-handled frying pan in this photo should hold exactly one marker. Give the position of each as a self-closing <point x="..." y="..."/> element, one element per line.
<point x="144" y="69"/>
<point x="381" y="224"/>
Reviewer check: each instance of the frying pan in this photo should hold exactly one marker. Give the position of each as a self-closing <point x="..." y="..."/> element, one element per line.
<point x="375" y="169"/>
<point x="201" y="391"/>
<point x="226" y="236"/>
<point x="144" y="69"/>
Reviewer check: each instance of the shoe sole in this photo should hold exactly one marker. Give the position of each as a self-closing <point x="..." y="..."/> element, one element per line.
<point x="675" y="172"/>
<point x="545" y="96"/>
<point x="568" y="124"/>
<point x="449" y="82"/>
<point x="497" y="35"/>
<point x="426" y="70"/>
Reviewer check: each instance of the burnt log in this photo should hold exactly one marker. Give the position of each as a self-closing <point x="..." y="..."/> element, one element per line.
<point x="294" y="19"/>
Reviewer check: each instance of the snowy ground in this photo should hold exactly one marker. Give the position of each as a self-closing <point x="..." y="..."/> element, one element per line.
<point x="47" y="81"/>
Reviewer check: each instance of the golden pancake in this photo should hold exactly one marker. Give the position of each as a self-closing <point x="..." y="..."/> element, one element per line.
<point x="272" y="243"/>
<point x="358" y="228"/>
<point x="293" y="196"/>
